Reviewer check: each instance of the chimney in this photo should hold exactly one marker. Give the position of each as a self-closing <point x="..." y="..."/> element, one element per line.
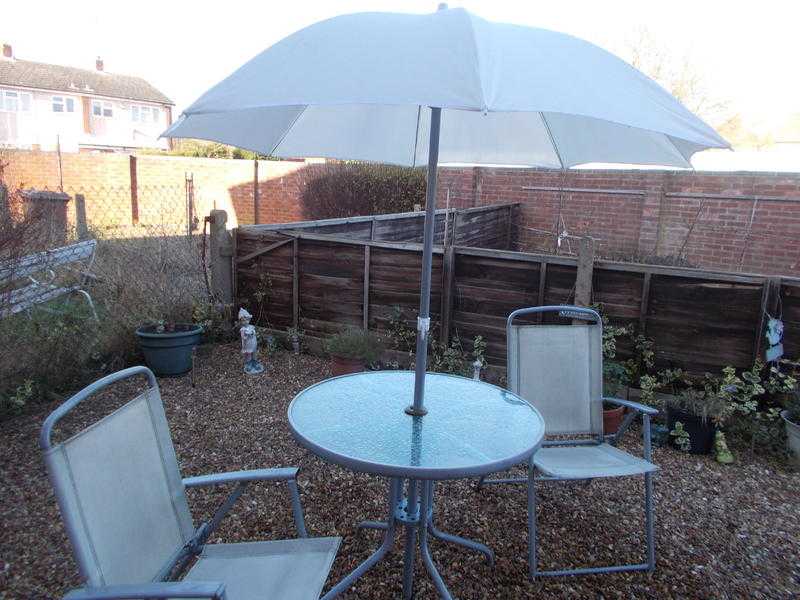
<point x="98" y="64"/>
<point x="7" y="52"/>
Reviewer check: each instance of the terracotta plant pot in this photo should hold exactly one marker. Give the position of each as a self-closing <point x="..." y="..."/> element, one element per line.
<point x="341" y="365"/>
<point x="612" y="419"/>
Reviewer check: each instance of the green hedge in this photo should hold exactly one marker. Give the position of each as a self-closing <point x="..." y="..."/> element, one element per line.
<point x="353" y="188"/>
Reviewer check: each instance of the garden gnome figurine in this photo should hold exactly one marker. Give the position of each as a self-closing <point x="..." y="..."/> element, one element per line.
<point x="249" y="344"/>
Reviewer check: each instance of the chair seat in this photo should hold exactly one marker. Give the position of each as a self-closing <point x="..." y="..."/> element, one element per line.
<point x="589" y="461"/>
<point x="294" y="569"/>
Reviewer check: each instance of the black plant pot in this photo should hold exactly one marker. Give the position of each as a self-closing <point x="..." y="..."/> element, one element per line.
<point x="701" y="432"/>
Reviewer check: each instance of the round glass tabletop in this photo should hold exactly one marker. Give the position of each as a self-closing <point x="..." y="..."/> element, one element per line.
<point x="472" y="427"/>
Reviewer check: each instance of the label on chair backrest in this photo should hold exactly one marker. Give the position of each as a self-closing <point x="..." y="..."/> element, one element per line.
<point x="574" y="314"/>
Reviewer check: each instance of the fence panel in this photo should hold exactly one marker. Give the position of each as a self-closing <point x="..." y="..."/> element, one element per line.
<point x="699" y="320"/>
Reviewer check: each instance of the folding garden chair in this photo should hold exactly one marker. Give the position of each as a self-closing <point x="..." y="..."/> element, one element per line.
<point x="122" y="499"/>
<point x="558" y="368"/>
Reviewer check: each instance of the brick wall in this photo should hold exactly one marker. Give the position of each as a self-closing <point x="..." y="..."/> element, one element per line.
<point x="651" y="215"/>
<point x="752" y="225"/>
<point x="105" y="181"/>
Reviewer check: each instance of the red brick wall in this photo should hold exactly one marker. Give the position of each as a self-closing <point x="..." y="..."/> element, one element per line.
<point x="105" y="181"/>
<point x="734" y="234"/>
<point x="715" y="233"/>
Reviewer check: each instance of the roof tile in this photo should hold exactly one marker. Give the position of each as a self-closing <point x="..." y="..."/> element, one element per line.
<point x="25" y="73"/>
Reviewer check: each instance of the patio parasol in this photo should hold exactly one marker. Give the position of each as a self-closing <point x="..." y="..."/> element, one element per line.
<point x="444" y="87"/>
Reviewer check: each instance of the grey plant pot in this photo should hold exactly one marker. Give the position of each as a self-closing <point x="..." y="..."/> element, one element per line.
<point x="170" y="353"/>
<point x="792" y="435"/>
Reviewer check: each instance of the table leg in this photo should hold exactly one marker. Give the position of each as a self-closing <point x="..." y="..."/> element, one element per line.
<point x="425" y="509"/>
<point x="388" y="543"/>
<point x="412" y="510"/>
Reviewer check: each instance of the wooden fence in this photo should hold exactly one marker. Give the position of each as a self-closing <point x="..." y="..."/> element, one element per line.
<point x="491" y="226"/>
<point x="699" y="320"/>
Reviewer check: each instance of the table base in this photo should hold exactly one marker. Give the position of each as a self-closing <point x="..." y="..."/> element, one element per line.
<point x="405" y="509"/>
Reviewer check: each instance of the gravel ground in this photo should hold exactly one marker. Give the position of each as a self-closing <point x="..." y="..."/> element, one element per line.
<point x="721" y="531"/>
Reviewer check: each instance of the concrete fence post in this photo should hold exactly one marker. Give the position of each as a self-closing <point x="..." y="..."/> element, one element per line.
<point x="220" y="249"/>
<point x="81" y="226"/>
<point x="49" y="212"/>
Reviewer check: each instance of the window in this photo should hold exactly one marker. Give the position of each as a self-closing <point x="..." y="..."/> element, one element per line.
<point x="14" y="101"/>
<point x="102" y="109"/>
<point x="144" y="114"/>
<point x="62" y="104"/>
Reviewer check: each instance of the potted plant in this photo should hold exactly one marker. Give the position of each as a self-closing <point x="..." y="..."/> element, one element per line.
<point x="168" y="346"/>
<point x="791" y="419"/>
<point x="690" y="421"/>
<point x="294" y="335"/>
<point x="615" y="381"/>
<point x="351" y="350"/>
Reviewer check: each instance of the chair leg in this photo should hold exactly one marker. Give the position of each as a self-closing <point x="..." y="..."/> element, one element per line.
<point x="532" y="534"/>
<point x="649" y="521"/>
<point x="533" y="541"/>
<point x="297" y="509"/>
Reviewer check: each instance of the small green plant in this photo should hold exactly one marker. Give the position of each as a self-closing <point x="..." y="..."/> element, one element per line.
<point x="294" y="336"/>
<point x="452" y="357"/>
<point x="15" y="402"/>
<point x="404" y="336"/>
<point x="260" y="297"/>
<point x="681" y="437"/>
<point x="294" y="332"/>
<point x="356" y="344"/>
<point x="216" y="319"/>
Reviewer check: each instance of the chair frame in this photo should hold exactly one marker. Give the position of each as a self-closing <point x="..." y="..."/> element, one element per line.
<point x="577" y="312"/>
<point x="159" y="588"/>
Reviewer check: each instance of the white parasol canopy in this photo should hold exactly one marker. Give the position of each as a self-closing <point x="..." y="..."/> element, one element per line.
<point x="444" y="87"/>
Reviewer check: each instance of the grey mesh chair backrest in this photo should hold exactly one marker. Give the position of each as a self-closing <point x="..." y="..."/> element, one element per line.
<point x="559" y="369"/>
<point x="119" y="487"/>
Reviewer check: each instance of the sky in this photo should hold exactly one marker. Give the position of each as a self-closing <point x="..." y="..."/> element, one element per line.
<point x="746" y="52"/>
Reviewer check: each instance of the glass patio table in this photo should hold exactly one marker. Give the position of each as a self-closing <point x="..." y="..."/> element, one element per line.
<point x="472" y="428"/>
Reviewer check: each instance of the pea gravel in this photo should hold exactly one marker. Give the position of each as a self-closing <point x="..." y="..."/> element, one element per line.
<point x="721" y="531"/>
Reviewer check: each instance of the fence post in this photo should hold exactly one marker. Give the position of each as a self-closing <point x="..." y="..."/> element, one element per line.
<point x="448" y="277"/>
<point x="256" y="198"/>
<point x="643" y="306"/>
<point x="220" y="248"/>
<point x="81" y="226"/>
<point x="509" y="225"/>
<point x="295" y="285"/>
<point x="583" y="279"/>
<point x="366" y="286"/>
<point x="134" y="190"/>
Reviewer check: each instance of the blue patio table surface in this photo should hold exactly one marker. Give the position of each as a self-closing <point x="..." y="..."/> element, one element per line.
<point x="472" y="428"/>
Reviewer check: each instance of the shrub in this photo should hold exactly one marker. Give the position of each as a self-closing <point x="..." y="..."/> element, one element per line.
<point x="355" y="343"/>
<point x="354" y="188"/>
<point x="58" y="347"/>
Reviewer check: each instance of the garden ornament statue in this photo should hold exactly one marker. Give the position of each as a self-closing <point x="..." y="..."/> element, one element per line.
<point x="775" y="338"/>
<point x="249" y="344"/>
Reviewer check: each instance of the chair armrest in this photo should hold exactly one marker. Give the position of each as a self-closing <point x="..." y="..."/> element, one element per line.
<point x="283" y="474"/>
<point x="642" y="408"/>
<point x="171" y="589"/>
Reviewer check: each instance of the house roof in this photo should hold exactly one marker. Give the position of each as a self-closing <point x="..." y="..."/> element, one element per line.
<point x="25" y="73"/>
